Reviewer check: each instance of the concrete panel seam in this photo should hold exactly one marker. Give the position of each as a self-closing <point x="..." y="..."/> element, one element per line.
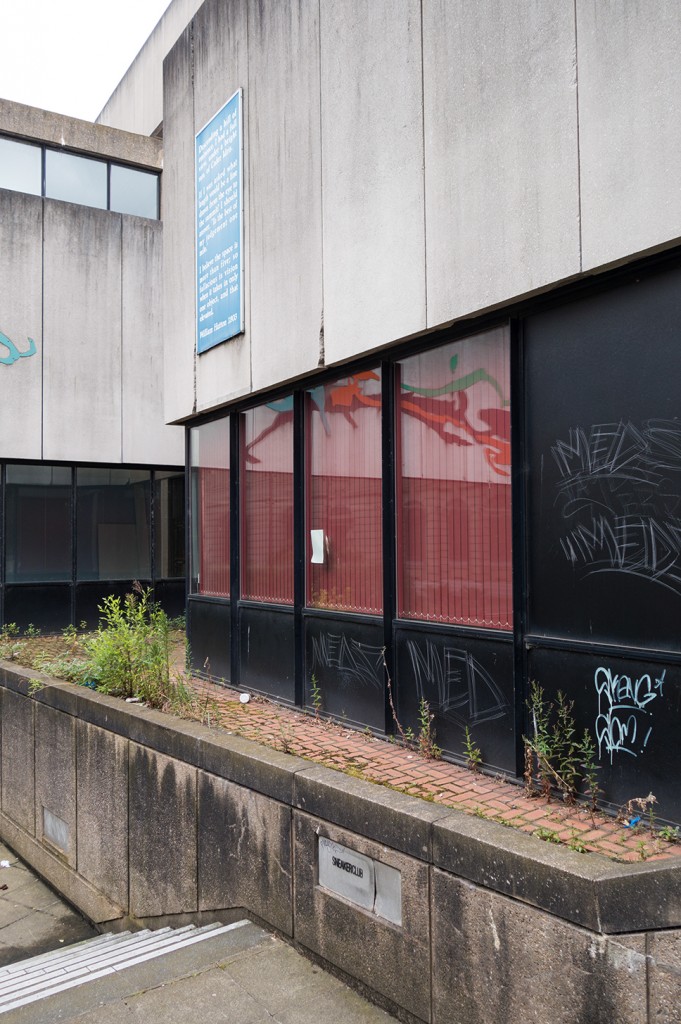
<point x="425" y="219"/>
<point x="579" y="168"/>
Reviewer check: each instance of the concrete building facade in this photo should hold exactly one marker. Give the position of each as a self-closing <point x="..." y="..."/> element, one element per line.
<point x="442" y="458"/>
<point x="92" y="480"/>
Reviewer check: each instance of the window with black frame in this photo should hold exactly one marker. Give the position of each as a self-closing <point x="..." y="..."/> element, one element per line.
<point x="78" y="178"/>
<point x="38" y="524"/>
<point x="113" y="516"/>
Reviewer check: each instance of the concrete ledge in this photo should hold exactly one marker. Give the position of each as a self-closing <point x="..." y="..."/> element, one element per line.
<point x="586" y="889"/>
<point x="83" y="136"/>
<point x="267" y="771"/>
<point x="384" y="815"/>
<point x="73" y="887"/>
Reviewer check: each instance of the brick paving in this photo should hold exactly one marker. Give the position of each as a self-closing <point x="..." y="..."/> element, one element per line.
<point x="387" y="763"/>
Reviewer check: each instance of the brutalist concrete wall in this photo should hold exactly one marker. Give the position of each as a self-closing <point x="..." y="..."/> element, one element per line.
<point x="406" y="166"/>
<point x="136" y="104"/>
<point x="85" y="285"/>
<point x="141" y="818"/>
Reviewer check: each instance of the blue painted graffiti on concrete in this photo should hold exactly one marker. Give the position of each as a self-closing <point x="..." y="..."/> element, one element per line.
<point x="14" y="353"/>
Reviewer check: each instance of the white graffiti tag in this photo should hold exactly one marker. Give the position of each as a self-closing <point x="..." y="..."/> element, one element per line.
<point x="624" y="710"/>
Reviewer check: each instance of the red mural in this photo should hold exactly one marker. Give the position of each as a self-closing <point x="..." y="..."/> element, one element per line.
<point x="453" y="493"/>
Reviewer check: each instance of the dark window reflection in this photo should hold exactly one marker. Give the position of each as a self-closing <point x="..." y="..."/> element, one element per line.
<point x="169" y="524"/>
<point x="113" y="524"/>
<point x="38" y="517"/>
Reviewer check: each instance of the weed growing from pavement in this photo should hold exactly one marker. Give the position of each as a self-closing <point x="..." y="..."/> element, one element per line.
<point x="549" y="835"/>
<point x="277" y="727"/>
<point x="472" y="752"/>
<point x="316" y="695"/>
<point x="424" y="740"/>
<point x="555" y="759"/>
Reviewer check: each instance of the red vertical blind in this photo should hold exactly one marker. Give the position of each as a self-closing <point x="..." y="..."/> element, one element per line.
<point x="454" y="484"/>
<point x="267" y="511"/>
<point x="345" y="563"/>
<point x="210" y="499"/>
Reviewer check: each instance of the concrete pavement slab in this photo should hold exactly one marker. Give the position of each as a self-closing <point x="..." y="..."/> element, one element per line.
<point x="33" y="919"/>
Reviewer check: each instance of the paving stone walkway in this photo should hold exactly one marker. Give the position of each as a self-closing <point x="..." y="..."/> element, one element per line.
<point x="33" y="919"/>
<point x="242" y="975"/>
<point x="391" y="764"/>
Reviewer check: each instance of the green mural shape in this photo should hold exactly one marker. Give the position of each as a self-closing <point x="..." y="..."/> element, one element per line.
<point x="14" y="353"/>
<point x="462" y="384"/>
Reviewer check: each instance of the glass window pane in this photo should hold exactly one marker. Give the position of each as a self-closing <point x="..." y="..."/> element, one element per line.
<point x="267" y="514"/>
<point x="454" y="484"/>
<point x="75" y="179"/>
<point x="112" y="517"/>
<point x="169" y="524"/>
<point x="344" y="536"/>
<point x="38" y="517"/>
<point x="20" y="167"/>
<point x="134" y="191"/>
<point x="209" y="457"/>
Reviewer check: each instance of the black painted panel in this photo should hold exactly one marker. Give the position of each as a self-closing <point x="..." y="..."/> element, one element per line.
<point x="89" y="597"/>
<point x="345" y="657"/>
<point x="170" y="594"/>
<point x="604" y="451"/>
<point x="208" y="629"/>
<point x="47" y="606"/>
<point x="267" y="651"/>
<point x="632" y="711"/>
<point x="466" y="681"/>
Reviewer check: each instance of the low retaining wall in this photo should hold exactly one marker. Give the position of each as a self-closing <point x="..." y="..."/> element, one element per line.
<point x="137" y="817"/>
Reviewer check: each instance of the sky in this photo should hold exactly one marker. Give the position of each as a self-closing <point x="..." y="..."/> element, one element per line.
<point x="69" y="55"/>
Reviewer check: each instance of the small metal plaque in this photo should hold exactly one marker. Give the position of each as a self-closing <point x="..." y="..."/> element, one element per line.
<point x="366" y="882"/>
<point x="56" y="830"/>
<point x="347" y="873"/>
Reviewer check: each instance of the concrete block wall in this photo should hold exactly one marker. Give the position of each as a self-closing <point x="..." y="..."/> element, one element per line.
<point x="85" y="285"/>
<point x="136" y="103"/>
<point x="406" y="170"/>
<point x="169" y="821"/>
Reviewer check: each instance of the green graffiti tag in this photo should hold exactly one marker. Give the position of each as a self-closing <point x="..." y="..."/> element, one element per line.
<point x="14" y="353"/>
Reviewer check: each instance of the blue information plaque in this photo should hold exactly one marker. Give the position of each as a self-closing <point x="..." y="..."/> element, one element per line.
<point x="219" y="227"/>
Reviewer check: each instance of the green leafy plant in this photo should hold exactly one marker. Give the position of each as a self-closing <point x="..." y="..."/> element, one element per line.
<point x="590" y="771"/>
<point x="576" y="843"/>
<point x="670" y="833"/>
<point x="129" y="654"/>
<point x="31" y="631"/>
<point x="549" y="835"/>
<point x="424" y="740"/>
<point x="315" y="695"/>
<point x="472" y="751"/>
<point x="642" y="849"/>
<point x="10" y="645"/>
<point x="426" y="735"/>
<point x="554" y="758"/>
